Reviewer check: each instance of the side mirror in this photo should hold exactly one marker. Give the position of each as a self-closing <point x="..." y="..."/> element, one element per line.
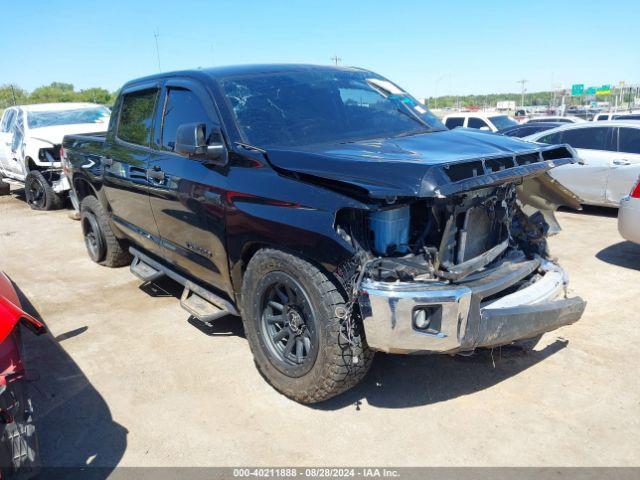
<point x="192" y="141"/>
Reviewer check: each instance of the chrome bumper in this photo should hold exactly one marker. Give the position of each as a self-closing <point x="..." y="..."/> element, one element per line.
<point x="471" y="314"/>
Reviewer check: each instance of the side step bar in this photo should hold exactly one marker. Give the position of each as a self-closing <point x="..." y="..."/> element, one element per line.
<point x="201" y="303"/>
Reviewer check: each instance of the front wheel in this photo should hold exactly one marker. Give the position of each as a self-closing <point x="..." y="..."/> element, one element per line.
<point x="290" y="316"/>
<point x="39" y="193"/>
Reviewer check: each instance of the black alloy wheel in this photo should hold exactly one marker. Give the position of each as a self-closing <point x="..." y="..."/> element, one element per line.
<point x="288" y="325"/>
<point x="93" y="238"/>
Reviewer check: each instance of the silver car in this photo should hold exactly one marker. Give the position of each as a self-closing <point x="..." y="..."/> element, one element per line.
<point x="610" y="159"/>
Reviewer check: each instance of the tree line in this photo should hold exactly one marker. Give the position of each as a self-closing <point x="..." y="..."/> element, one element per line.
<point x="53" y="93"/>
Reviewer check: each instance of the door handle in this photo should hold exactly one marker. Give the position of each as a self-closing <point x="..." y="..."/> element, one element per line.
<point x="621" y="162"/>
<point x="156" y="174"/>
<point x="107" y="161"/>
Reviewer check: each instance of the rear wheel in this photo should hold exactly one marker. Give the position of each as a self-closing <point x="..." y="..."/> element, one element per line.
<point x="39" y="193"/>
<point x="297" y="339"/>
<point x="102" y="245"/>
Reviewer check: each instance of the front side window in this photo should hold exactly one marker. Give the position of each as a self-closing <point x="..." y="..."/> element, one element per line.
<point x="75" y="116"/>
<point x="136" y="117"/>
<point x="322" y="106"/>
<point x="182" y="106"/>
<point x="589" y="138"/>
<point x="502" y="121"/>
<point x="630" y="140"/>
<point x="476" y="123"/>
<point x="454" y="122"/>
<point x="552" y="138"/>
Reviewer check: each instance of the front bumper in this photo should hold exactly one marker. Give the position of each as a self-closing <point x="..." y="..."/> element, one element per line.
<point x="470" y="314"/>
<point x="629" y="219"/>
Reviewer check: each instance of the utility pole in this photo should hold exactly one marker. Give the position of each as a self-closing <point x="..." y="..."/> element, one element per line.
<point x="13" y="92"/>
<point x="156" y="34"/>
<point x="336" y="59"/>
<point x="522" y="82"/>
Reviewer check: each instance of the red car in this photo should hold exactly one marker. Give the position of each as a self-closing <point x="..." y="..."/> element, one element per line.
<point x="18" y="444"/>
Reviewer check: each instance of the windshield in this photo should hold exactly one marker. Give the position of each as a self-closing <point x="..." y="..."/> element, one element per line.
<point x="502" y="121"/>
<point x="322" y="106"/>
<point x="68" y="117"/>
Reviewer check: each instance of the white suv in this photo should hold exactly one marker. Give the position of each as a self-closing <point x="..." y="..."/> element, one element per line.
<point x="479" y="120"/>
<point x="30" y="142"/>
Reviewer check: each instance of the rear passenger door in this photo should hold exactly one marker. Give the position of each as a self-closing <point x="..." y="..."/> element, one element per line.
<point x="125" y="162"/>
<point x="595" y="148"/>
<point x="625" y="167"/>
<point x="186" y="193"/>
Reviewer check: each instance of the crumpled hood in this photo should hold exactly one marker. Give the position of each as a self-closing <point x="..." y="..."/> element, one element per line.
<point x="55" y="134"/>
<point x="402" y="166"/>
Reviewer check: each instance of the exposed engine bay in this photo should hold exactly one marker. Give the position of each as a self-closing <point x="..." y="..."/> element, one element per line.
<point x="445" y="239"/>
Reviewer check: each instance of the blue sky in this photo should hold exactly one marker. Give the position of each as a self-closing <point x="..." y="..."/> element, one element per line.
<point x="441" y="47"/>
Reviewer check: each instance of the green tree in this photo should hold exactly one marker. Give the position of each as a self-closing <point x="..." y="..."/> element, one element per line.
<point x="12" y="95"/>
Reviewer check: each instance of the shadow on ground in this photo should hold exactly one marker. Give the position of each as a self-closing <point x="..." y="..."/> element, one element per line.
<point x="400" y="381"/>
<point x="622" y="254"/>
<point x="222" y="327"/>
<point x="593" y="211"/>
<point x="73" y="422"/>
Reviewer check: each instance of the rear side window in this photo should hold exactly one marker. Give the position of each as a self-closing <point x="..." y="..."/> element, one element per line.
<point x="628" y="116"/>
<point x="136" y="117"/>
<point x="476" y="123"/>
<point x="630" y="140"/>
<point x="589" y="138"/>
<point x="600" y="118"/>
<point x="7" y="120"/>
<point x="182" y="106"/>
<point x="454" y="122"/>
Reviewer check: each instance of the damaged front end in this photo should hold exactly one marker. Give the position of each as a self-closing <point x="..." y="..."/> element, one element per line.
<point x="468" y="266"/>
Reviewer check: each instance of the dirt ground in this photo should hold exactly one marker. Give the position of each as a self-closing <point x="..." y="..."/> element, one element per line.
<point x="125" y="379"/>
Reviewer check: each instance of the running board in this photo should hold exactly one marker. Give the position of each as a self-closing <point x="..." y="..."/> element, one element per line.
<point x="201" y="303"/>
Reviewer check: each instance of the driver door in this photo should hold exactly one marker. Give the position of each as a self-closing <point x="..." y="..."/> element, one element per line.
<point x="6" y="137"/>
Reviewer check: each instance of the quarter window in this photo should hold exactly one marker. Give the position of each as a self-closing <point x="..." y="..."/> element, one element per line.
<point x="136" y="117"/>
<point x="454" y="122"/>
<point x="589" y="138"/>
<point x="630" y="140"/>
<point x="476" y="123"/>
<point x="182" y="107"/>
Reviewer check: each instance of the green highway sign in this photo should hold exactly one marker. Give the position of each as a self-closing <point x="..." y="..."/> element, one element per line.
<point x="577" y="89"/>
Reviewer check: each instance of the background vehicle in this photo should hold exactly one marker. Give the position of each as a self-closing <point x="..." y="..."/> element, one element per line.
<point x="629" y="215"/>
<point x="309" y="199"/>
<point x="616" y="116"/>
<point x="30" y="140"/>
<point x="523" y="130"/>
<point x="18" y="444"/>
<point x="610" y="159"/>
<point x="553" y="118"/>
<point x="481" y="121"/>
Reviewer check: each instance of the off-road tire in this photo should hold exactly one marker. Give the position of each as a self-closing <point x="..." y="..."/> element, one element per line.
<point x="113" y="252"/>
<point x="338" y="365"/>
<point x="5" y="188"/>
<point x="50" y="200"/>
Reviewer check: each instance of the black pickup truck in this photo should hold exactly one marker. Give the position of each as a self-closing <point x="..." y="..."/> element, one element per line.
<point x="331" y="211"/>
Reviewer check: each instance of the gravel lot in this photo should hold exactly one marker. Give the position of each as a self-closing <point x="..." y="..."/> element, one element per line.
<point x="125" y="379"/>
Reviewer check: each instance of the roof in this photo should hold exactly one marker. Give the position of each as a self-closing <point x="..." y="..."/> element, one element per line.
<point x="476" y="114"/>
<point x="236" y="70"/>
<point x="39" y="107"/>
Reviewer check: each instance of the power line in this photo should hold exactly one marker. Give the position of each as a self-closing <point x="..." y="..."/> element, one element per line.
<point x="156" y="34"/>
